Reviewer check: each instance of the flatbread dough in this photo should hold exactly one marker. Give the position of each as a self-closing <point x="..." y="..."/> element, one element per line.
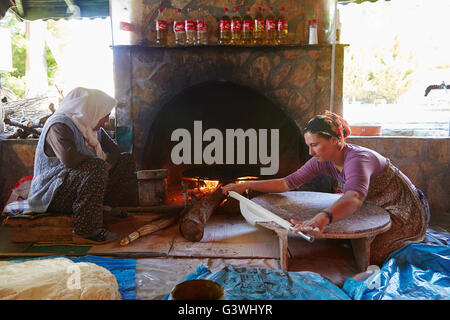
<point x="56" y="279"/>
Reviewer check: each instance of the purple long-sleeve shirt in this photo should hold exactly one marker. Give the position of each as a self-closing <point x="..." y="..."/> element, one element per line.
<point x="360" y="165"/>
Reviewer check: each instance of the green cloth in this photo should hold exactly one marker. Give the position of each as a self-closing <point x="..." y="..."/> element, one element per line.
<point x="58" y="248"/>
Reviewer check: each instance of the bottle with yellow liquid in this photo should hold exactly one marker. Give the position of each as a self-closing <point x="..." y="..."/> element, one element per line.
<point x="225" y="28"/>
<point x="271" y="28"/>
<point x="247" y="28"/>
<point x="236" y="27"/>
<point x="258" y="28"/>
<point x="282" y="28"/>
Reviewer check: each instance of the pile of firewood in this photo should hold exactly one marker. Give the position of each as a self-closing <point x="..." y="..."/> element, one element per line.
<point x="25" y="118"/>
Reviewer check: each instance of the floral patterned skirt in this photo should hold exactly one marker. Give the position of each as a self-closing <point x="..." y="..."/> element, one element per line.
<point x="90" y="186"/>
<point x="407" y="208"/>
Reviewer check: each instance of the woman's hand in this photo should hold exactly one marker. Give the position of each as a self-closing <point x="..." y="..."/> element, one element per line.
<point x="314" y="225"/>
<point x="237" y="187"/>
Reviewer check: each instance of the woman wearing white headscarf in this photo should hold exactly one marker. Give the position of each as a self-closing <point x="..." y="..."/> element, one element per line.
<point x="78" y="168"/>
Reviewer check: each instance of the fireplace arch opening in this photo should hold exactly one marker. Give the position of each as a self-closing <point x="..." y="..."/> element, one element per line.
<point x="219" y="106"/>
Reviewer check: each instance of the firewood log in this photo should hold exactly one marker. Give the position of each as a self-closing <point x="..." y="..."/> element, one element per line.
<point x="16" y="134"/>
<point x="51" y="107"/>
<point x="25" y="128"/>
<point x="192" y="224"/>
<point x="42" y="120"/>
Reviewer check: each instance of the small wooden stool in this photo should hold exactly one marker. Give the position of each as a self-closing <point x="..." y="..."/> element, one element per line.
<point x="361" y="227"/>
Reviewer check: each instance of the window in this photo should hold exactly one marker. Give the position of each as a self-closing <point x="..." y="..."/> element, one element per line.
<point x="397" y="50"/>
<point x="77" y="53"/>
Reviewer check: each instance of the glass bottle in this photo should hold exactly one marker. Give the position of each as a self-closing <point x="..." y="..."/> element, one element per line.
<point x="225" y="28"/>
<point x="161" y="28"/>
<point x="179" y="29"/>
<point x="236" y="27"/>
<point x="271" y="28"/>
<point x="258" y="28"/>
<point x="190" y="27"/>
<point x="202" y="28"/>
<point x="247" y="28"/>
<point x="282" y="28"/>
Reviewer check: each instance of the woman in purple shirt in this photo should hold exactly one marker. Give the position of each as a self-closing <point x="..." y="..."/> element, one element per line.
<point x="366" y="175"/>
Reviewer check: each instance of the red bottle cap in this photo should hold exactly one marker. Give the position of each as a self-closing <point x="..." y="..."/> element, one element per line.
<point x="270" y="8"/>
<point x="259" y="8"/>
<point x="313" y="21"/>
<point x="226" y="9"/>
<point x="178" y="10"/>
<point x="248" y="9"/>
<point x="160" y="10"/>
<point x="282" y="8"/>
<point x="236" y="9"/>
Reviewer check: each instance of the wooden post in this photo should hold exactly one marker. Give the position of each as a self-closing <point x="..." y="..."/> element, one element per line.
<point x="283" y="242"/>
<point x="282" y="235"/>
<point x="361" y="252"/>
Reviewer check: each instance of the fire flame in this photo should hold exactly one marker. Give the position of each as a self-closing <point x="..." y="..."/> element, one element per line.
<point x="244" y="179"/>
<point x="203" y="185"/>
<point x="207" y="186"/>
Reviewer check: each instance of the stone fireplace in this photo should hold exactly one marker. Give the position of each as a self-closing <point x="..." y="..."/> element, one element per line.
<point x="162" y="89"/>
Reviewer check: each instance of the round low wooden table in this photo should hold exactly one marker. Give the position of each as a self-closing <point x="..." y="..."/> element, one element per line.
<point x="361" y="227"/>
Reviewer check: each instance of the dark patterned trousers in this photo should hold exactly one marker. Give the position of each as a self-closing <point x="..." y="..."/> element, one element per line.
<point x="90" y="186"/>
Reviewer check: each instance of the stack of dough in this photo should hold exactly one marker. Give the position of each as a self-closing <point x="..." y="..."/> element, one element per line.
<point x="56" y="279"/>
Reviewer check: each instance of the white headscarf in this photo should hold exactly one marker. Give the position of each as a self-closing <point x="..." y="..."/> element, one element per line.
<point x="86" y="107"/>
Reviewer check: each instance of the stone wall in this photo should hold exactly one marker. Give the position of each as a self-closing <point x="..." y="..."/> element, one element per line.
<point x="295" y="78"/>
<point x="298" y="12"/>
<point x="424" y="160"/>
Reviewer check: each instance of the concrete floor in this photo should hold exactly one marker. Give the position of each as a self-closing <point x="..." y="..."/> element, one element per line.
<point x="440" y="222"/>
<point x="155" y="277"/>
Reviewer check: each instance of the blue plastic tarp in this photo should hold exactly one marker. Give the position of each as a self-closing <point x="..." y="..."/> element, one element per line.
<point x="245" y="283"/>
<point x="414" y="272"/>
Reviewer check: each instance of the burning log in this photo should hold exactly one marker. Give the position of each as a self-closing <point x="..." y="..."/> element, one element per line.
<point x="192" y="224"/>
